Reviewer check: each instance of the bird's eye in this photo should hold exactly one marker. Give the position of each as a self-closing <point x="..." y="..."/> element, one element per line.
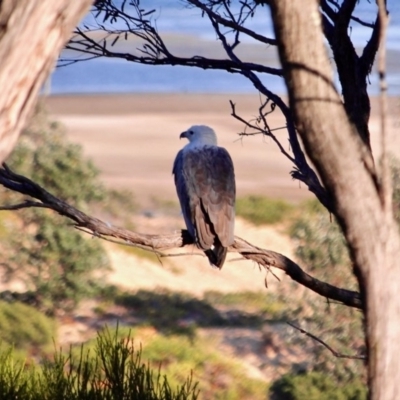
<point x="190" y="132"/>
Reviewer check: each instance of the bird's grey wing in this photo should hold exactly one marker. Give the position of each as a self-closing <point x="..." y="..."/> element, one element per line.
<point x="211" y="179"/>
<point x="183" y="194"/>
<point x="219" y="202"/>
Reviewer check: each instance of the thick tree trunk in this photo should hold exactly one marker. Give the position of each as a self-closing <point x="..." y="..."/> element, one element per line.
<point x="346" y="168"/>
<point x="32" y="33"/>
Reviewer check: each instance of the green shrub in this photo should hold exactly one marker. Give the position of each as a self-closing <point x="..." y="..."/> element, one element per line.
<point x="44" y="154"/>
<point x="54" y="261"/>
<point x="316" y="386"/>
<point x="322" y="250"/>
<point x="114" y="370"/>
<point x="219" y="376"/>
<point x="261" y="210"/>
<point x="177" y="357"/>
<point x="25" y="328"/>
<point x="320" y="242"/>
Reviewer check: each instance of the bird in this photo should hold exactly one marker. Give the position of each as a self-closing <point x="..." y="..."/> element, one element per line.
<point x="205" y="184"/>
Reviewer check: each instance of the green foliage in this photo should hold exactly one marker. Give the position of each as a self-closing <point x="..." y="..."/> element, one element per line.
<point x="25" y="328"/>
<point x="16" y="382"/>
<point x="316" y="386"/>
<point x="60" y="264"/>
<point x="262" y="210"/>
<point x="219" y="376"/>
<point x="113" y="371"/>
<point x="322" y="249"/>
<point x="44" y="154"/>
<point x="177" y="357"/>
<point x="53" y="260"/>
<point x="320" y="242"/>
<point x="168" y="325"/>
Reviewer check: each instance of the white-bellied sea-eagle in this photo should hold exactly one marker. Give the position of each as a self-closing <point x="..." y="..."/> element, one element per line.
<point x="205" y="184"/>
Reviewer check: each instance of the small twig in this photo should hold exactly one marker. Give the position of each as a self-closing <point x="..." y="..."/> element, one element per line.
<point x="236" y="259"/>
<point x="25" y="204"/>
<point x="231" y="23"/>
<point x="334" y="352"/>
<point x="264" y="131"/>
<point x="182" y="254"/>
<point x="269" y="270"/>
<point x="119" y="242"/>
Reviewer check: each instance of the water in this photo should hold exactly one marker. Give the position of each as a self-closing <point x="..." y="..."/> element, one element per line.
<point x="119" y="76"/>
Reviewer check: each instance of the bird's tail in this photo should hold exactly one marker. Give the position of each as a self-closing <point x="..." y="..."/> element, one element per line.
<point x="217" y="255"/>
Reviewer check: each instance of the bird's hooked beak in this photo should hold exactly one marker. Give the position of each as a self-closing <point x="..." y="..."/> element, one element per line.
<point x="183" y="135"/>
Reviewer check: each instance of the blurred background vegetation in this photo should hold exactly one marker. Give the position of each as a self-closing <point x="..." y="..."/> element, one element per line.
<point x="204" y="348"/>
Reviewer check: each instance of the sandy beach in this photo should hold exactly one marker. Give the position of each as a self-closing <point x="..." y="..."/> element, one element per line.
<point x="134" y="138"/>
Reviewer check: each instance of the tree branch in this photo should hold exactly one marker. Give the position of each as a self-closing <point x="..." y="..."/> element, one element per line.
<point x="334" y="352"/>
<point x="345" y="12"/>
<point x="351" y="69"/>
<point x="158" y="243"/>
<point x="232" y="23"/>
<point x="301" y="171"/>
<point x="157" y="54"/>
<point x="368" y="55"/>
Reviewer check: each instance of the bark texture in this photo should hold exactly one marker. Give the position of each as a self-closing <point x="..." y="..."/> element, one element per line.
<point x="345" y="164"/>
<point x="32" y="33"/>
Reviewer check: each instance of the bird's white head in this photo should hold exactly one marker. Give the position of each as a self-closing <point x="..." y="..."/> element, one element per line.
<point x="200" y="135"/>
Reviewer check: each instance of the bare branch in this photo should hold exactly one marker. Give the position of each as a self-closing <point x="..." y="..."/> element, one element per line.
<point x="260" y="130"/>
<point x="328" y="10"/>
<point x="25" y="204"/>
<point x="334" y="352"/>
<point x="352" y="70"/>
<point x="159" y="55"/>
<point x="231" y="23"/>
<point x="345" y="12"/>
<point x="154" y="48"/>
<point x="368" y="56"/>
<point x="302" y="171"/>
<point x="158" y="243"/>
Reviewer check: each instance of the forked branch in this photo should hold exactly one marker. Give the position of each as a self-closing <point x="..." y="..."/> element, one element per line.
<point x="159" y="243"/>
